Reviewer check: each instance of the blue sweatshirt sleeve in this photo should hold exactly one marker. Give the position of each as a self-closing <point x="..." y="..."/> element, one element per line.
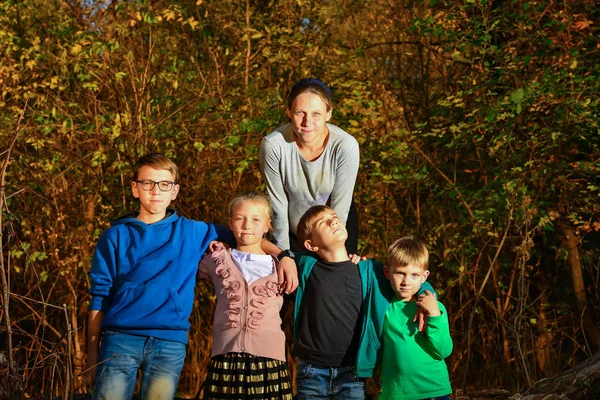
<point x="206" y="233"/>
<point x="224" y="234"/>
<point x="102" y="274"/>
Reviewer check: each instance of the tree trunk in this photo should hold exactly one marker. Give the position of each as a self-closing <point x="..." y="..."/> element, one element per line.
<point x="571" y="242"/>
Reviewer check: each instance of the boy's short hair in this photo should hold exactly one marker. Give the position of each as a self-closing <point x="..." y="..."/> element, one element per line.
<point x="408" y="250"/>
<point x="304" y="229"/>
<point x="257" y="197"/>
<point x="156" y="161"/>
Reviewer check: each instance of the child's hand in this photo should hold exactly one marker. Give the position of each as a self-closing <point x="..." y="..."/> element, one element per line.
<point x="215" y="244"/>
<point x="355" y="258"/>
<point x="421" y="320"/>
<point x="428" y="303"/>
<point x="90" y="368"/>
<point x="287" y="275"/>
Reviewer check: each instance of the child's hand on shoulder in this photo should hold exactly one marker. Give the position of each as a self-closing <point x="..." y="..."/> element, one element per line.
<point x="428" y="303"/>
<point x="287" y="274"/>
<point x="215" y="245"/>
<point x="355" y="258"/>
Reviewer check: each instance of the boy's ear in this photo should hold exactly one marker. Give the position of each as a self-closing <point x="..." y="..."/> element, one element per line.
<point x="328" y="116"/>
<point x="310" y="247"/>
<point x="386" y="272"/>
<point x="174" y="192"/>
<point x="287" y="113"/>
<point x="134" y="190"/>
<point x="425" y="275"/>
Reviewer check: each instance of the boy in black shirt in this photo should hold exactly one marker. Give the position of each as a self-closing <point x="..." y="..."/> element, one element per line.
<point x="339" y="311"/>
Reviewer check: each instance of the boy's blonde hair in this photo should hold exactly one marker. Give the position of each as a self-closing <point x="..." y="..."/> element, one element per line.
<point x="304" y="230"/>
<point x="156" y="161"/>
<point x="261" y="199"/>
<point x="408" y="250"/>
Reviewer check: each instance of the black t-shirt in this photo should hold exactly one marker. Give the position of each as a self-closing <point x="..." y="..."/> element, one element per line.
<point x="331" y="321"/>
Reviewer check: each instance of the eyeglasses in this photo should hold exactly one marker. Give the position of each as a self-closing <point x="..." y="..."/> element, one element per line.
<point x="148" y="185"/>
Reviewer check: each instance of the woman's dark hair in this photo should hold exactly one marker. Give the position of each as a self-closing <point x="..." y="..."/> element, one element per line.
<point x="311" y="85"/>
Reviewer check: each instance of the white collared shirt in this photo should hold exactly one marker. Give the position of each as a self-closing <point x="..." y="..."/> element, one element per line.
<point x="253" y="266"/>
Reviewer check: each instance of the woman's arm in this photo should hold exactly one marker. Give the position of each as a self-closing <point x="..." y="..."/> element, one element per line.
<point x="269" y="164"/>
<point x="347" y="159"/>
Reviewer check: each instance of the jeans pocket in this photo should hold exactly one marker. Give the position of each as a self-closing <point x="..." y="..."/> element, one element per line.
<point x="305" y="373"/>
<point x="355" y="376"/>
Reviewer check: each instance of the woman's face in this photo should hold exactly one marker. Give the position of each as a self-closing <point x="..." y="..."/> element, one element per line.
<point x="308" y="115"/>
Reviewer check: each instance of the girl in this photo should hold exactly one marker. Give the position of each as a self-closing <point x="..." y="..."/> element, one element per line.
<point x="248" y="351"/>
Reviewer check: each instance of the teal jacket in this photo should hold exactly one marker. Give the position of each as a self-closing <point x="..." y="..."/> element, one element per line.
<point x="376" y="293"/>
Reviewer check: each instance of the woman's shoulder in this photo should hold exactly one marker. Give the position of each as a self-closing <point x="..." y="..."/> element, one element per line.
<point x="338" y="134"/>
<point x="342" y="143"/>
<point x="283" y="134"/>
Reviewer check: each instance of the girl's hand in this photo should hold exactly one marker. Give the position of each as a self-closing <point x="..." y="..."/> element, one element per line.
<point x="355" y="258"/>
<point x="287" y="274"/>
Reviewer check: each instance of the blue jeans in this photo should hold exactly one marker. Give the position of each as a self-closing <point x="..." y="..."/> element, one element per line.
<point x="316" y="382"/>
<point x="121" y="355"/>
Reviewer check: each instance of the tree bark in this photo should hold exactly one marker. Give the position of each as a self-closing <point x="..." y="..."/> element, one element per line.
<point x="571" y="241"/>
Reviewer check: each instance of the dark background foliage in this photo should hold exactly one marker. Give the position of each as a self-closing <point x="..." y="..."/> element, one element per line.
<point x="478" y="125"/>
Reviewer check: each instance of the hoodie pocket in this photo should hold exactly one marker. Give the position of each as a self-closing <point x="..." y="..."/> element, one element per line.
<point x="121" y="299"/>
<point x="149" y="307"/>
<point x="370" y="348"/>
<point x="178" y="304"/>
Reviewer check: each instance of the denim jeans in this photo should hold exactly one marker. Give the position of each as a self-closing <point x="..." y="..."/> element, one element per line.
<point x="316" y="382"/>
<point x="121" y="355"/>
<point x="438" y="398"/>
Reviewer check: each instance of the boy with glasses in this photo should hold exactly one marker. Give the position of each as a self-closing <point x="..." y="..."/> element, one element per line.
<point x="142" y="285"/>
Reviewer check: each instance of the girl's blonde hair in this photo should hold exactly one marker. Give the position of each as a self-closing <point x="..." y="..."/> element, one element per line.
<point x="259" y="198"/>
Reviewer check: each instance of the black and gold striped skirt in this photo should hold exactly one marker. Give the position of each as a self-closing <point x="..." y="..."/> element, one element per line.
<point x="244" y="376"/>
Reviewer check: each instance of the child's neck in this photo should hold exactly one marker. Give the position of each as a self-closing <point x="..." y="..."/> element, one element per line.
<point x="252" y="248"/>
<point x="150" y="218"/>
<point x="336" y="254"/>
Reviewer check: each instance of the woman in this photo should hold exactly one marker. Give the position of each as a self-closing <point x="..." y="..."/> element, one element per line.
<point x="309" y="162"/>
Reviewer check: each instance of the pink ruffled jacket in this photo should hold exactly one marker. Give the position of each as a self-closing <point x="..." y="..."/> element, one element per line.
<point x="247" y="316"/>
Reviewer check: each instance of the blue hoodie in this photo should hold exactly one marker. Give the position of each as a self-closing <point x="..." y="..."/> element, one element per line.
<point x="143" y="276"/>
